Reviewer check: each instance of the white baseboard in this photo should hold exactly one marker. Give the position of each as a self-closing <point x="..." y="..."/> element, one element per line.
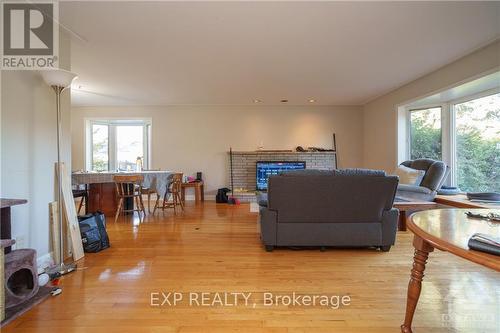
<point x="189" y="197"/>
<point x="43" y="262"/>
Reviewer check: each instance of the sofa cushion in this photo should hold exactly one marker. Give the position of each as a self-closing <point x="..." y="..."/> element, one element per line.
<point x="338" y="199"/>
<point x="408" y="175"/>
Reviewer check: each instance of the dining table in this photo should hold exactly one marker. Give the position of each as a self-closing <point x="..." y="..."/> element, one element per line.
<point x="102" y="191"/>
<point x="447" y="230"/>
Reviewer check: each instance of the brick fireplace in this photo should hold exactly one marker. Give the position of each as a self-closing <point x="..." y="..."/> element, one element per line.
<point x="244" y="164"/>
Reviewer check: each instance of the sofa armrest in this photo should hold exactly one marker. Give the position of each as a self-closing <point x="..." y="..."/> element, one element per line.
<point x="268" y="226"/>
<point x="389" y="226"/>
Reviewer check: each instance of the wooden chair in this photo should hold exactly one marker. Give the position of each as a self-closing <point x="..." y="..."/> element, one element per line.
<point x="149" y="191"/>
<point x="129" y="187"/>
<point x="174" y="189"/>
<point x="83" y="193"/>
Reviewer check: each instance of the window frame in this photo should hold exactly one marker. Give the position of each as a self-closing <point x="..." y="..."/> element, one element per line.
<point x="444" y="128"/>
<point x="453" y="137"/>
<point x="448" y="130"/>
<point x="112" y="123"/>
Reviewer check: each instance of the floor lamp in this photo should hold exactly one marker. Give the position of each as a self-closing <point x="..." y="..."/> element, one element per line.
<point x="59" y="80"/>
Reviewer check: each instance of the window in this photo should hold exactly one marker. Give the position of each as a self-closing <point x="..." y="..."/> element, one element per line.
<point x="477" y="128"/>
<point x="116" y="144"/>
<point x="465" y="134"/>
<point x="425" y="133"/>
<point x="129" y="146"/>
<point x="100" y="147"/>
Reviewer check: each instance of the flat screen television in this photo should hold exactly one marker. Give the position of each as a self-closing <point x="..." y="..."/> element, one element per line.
<point x="269" y="168"/>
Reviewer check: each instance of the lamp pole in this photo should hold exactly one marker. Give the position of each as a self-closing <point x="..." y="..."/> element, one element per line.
<point x="58" y="90"/>
<point x="59" y="80"/>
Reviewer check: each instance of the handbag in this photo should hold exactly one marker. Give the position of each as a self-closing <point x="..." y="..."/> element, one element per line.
<point x="221" y="196"/>
<point x="93" y="232"/>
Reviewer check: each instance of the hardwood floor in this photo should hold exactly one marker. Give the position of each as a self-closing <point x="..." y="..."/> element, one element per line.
<point x="216" y="248"/>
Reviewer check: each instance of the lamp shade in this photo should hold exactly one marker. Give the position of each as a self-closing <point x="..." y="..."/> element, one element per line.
<point x="57" y="77"/>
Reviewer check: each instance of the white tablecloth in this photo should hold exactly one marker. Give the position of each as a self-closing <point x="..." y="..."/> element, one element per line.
<point x="163" y="178"/>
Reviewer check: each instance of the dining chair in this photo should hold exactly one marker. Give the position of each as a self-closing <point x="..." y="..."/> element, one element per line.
<point x="151" y="189"/>
<point x="129" y="187"/>
<point x="174" y="191"/>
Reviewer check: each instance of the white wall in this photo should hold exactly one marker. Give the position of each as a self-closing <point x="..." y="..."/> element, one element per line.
<point x="28" y="150"/>
<point x="380" y="115"/>
<point x="197" y="138"/>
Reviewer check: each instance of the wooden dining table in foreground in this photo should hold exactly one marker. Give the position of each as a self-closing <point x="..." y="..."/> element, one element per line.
<point x="102" y="191"/>
<point x="446" y="230"/>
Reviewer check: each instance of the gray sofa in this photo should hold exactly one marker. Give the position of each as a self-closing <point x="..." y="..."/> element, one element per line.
<point x="345" y="208"/>
<point x="435" y="175"/>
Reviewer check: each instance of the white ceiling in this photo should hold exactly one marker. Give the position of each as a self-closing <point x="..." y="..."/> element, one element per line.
<point x="231" y="53"/>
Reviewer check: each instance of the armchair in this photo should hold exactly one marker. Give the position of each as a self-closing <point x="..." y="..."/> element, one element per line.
<point x="435" y="175"/>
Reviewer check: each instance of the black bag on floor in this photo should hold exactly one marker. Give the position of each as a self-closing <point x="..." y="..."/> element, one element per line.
<point x="222" y="195"/>
<point x="93" y="232"/>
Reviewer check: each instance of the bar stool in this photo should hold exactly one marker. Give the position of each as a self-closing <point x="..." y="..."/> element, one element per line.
<point x="129" y="187"/>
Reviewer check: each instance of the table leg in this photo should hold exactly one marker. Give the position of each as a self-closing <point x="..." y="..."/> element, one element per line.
<point x="183" y="194"/>
<point x="197" y="194"/>
<point x="402" y="220"/>
<point x="202" y="190"/>
<point x="422" y="250"/>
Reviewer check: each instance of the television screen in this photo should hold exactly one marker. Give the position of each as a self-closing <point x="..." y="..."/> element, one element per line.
<point x="266" y="169"/>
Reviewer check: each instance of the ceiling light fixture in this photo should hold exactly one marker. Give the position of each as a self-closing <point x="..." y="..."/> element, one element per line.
<point x="257" y="101"/>
<point x="312" y="100"/>
<point x="284" y="101"/>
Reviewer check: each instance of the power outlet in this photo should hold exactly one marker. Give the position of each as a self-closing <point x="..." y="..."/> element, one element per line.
<point x="20" y="242"/>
